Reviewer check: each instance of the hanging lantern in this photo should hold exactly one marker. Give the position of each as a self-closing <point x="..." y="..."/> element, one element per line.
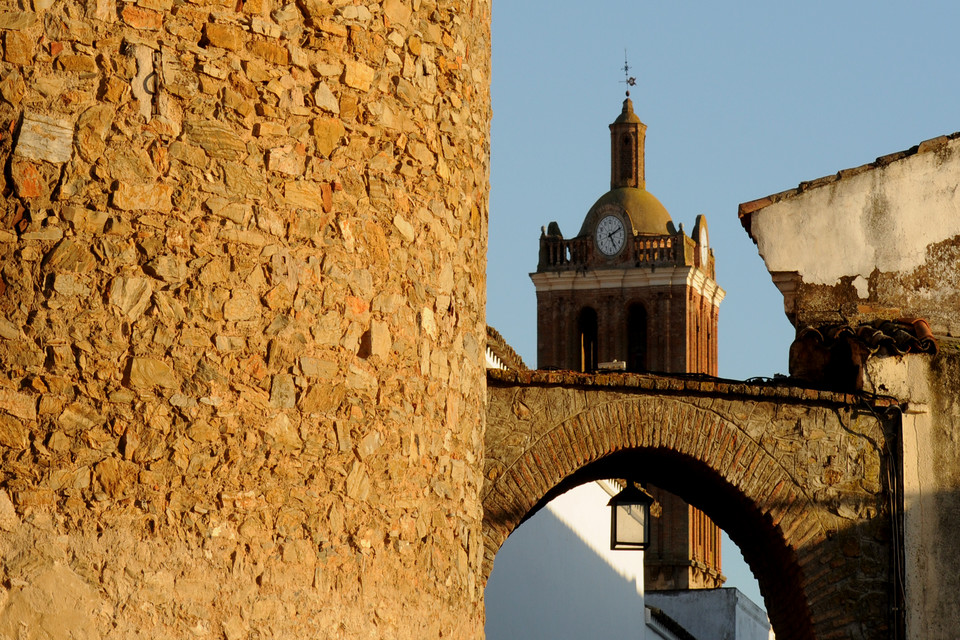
<point x="630" y="519"/>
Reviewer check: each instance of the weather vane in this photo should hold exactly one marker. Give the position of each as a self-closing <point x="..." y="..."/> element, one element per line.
<point x="629" y="80"/>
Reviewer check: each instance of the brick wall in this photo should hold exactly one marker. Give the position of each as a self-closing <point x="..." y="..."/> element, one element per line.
<point x="668" y="340"/>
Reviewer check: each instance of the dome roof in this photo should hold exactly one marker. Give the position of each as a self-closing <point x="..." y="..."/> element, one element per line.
<point x="647" y="215"/>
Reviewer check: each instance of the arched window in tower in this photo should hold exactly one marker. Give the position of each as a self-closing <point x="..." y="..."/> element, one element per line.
<point x="636" y="338"/>
<point x="627" y="159"/>
<point x="587" y="339"/>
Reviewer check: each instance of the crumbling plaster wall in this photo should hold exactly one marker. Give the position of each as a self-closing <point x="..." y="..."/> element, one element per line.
<point x="242" y="292"/>
<point x="878" y="241"/>
<point x="882" y="241"/>
<point x="930" y="452"/>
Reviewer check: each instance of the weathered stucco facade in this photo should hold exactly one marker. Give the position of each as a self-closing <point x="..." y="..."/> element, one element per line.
<point x="877" y="241"/>
<point x="242" y="318"/>
<point x="872" y="244"/>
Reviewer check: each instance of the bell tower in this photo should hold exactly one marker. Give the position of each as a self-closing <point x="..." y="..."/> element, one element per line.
<point x="632" y="291"/>
<point x="627" y="137"/>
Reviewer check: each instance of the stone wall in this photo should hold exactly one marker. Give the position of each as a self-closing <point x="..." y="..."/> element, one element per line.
<point x="798" y="478"/>
<point x="241" y="317"/>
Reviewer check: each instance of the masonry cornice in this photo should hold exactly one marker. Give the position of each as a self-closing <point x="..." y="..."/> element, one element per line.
<point x="788" y="391"/>
<point x="600" y="279"/>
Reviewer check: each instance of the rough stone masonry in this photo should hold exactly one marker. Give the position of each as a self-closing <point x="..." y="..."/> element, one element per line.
<point x="241" y="317"/>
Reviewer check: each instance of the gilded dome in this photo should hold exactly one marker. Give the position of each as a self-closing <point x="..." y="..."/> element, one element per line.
<point x="647" y="215"/>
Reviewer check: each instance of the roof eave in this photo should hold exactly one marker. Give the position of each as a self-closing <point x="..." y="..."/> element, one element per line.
<point x="747" y="209"/>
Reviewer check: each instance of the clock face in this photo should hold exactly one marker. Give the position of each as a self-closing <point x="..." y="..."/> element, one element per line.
<point x="611" y="235"/>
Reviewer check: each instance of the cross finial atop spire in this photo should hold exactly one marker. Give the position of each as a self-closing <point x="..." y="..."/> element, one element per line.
<point x="628" y="79"/>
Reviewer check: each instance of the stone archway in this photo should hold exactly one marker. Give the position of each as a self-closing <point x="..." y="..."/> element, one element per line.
<point x="793" y="476"/>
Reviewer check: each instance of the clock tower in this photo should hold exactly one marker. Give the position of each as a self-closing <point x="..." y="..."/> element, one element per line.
<point x="633" y="291"/>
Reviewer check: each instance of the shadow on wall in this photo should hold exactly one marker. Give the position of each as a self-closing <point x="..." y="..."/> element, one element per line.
<point x="840" y="583"/>
<point x="932" y="500"/>
<point x="931" y="550"/>
<point x="546" y="583"/>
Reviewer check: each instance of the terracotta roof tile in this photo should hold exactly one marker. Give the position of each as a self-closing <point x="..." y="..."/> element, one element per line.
<point x="881" y="337"/>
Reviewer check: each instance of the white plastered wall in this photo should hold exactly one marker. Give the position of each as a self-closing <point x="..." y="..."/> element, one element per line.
<point x="882" y="219"/>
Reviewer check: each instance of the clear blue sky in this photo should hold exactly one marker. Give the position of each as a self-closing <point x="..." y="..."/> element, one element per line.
<point x="741" y="100"/>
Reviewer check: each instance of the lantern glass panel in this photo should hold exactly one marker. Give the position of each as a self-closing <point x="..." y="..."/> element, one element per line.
<point x="631" y="524"/>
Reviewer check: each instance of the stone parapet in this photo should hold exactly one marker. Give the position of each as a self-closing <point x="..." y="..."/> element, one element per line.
<point x="786" y="390"/>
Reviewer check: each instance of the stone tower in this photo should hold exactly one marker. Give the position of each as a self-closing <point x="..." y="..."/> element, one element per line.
<point x="242" y="317"/>
<point x="632" y="291"/>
